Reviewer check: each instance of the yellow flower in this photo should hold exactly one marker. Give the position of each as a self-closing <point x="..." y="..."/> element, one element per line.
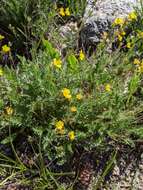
<point x="120" y="35"/>
<point x="120" y="38"/>
<point x="137" y="61"/>
<point x="66" y="93"/>
<point x="119" y="21"/>
<point x="73" y="109"/>
<point x="1" y="37"/>
<point x="5" y="49"/>
<point x="108" y="87"/>
<point x="59" y="125"/>
<point x="79" y="96"/>
<point x="128" y="45"/>
<point x="61" y="11"/>
<point x="1" y="72"/>
<point x="81" y="55"/>
<point x="140" y="34"/>
<point x="71" y="135"/>
<point x="140" y="68"/>
<point x="57" y="63"/>
<point x="132" y="16"/>
<point x="9" y="110"/>
<point x="67" y="12"/>
<point x="123" y="33"/>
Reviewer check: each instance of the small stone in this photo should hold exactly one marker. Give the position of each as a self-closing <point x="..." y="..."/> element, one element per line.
<point x="141" y="177"/>
<point x="116" y="171"/>
<point x="140" y="187"/>
<point x="141" y="156"/>
<point x="132" y="174"/>
<point x="141" y="167"/>
<point x="125" y="185"/>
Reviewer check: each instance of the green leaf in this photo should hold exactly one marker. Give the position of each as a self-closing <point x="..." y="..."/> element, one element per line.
<point x="38" y="131"/>
<point x="9" y="139"/>
<point x="72" y="61"/>
<point x="133" y="85"/>
<point x="50" y="49"/>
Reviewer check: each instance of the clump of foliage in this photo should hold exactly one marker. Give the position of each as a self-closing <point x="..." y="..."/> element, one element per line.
<point x="72" y="101"/>
<point x="19" y="23"/>
<point x="76" y="7"/>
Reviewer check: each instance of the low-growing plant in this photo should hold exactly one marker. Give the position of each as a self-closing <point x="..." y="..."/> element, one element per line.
<point x="19" y="25"/>
<point x="68" y="103"/>
<point x="76" y="8"/>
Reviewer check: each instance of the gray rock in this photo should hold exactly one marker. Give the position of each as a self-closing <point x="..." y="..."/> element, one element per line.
<point x="99" y="15"/>
<point x="66" y="31"/>
<point x="141" y="167"/>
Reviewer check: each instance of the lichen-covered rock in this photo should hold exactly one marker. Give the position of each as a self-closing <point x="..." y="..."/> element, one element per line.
<point x="100" y="14"/>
